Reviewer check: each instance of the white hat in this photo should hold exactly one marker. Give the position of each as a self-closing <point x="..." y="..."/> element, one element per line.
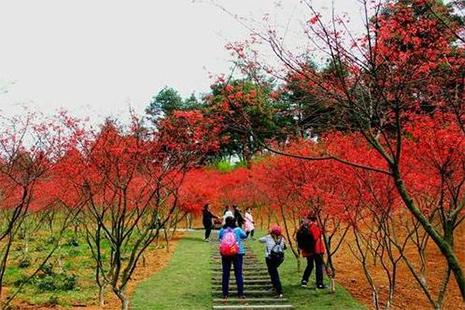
<point x="228" y="214"/>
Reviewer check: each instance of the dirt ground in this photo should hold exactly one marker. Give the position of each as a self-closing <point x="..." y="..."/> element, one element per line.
<point x="408" y="293"/>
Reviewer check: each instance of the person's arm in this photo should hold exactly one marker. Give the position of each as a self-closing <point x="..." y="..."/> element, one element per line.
<point x="213" y="215"/>
<point x="263" y="239"/>
<point x="220" y="235"/>
<point x="242" y="234"/>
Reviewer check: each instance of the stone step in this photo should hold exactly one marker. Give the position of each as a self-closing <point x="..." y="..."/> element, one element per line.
<point x="250" y="300"/>
<point x="251" y="307"/>
<point x="246" y="274"/>
<point x="244" y="268"/>
<point x="263" y="281"/>
<point x="245" y="261"/>
<point x="246" y="257"/>
<point x="246" y="286"/>
<point x="265" y="278"/>
<point x="245" y="264"/>
<point x="257" y="284"/>
<point x="248" y="293"/>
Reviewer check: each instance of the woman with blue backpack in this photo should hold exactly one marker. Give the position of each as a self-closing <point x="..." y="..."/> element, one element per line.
<point x="274" y="256"/>
<point x="232" y="253"/>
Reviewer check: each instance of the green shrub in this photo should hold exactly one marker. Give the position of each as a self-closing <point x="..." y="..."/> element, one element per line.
<point x="21" y="280"/>
<point x="72" y="242"/>
<point x="47" y="269"/>
<point x="24" y="263"/>
<point x="46" y="283"/>
<point x="53" y="300"/>
<point x="56" y="282"/>
<point x="69" y="283"/>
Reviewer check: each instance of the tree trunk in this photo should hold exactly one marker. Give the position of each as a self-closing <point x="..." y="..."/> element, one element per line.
<point x="332" y="285"/>
<point x="445" y="248"/>
<point x="123" y="298"/>
<point x="101" y="296"/>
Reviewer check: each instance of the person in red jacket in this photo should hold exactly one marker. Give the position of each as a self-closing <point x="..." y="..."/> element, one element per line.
<point x="314" y="257"/>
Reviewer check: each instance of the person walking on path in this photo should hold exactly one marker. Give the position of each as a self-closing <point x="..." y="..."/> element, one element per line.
<point x="207" y="220"/>
<point x="232" y="252"/>
<point x="249" y="224"/>
<point x="237" y="214"/>
<point x="274" y="256"/>
<point x="312" y="248"/>
<point x="228" y="212"/>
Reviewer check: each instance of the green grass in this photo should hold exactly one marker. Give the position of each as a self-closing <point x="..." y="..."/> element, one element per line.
<point x="71" y="261"/>
<point x="306" y="298"/>
<point x="184" y="284"/>
<point x="75" y="261"/>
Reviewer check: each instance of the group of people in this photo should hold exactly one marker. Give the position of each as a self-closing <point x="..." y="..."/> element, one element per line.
<point x="246" y="222"/>
<point x="237" y="228"/>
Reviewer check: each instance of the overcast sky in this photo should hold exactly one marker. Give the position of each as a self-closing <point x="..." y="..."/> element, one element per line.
<point x="97" y="57"/>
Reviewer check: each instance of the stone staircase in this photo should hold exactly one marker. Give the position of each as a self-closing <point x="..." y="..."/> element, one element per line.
<point x="257" y="285"/>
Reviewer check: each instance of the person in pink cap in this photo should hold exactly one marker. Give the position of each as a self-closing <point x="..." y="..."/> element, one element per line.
<point x="274" y="256"/>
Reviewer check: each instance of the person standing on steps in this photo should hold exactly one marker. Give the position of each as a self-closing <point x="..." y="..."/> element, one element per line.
<point x="232" y="252"/>
<point x="237" y="214"/>
<point x="274" y="256"/>
<point x="249" y="224"/>
<point x="228" y="211"/>
<point x="207" y="220"/>
<point x="310" y="243"/>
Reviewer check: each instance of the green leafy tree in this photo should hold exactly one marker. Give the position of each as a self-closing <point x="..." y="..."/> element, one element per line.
<point x="241" y="103"/>
<point x="164" y="103"/>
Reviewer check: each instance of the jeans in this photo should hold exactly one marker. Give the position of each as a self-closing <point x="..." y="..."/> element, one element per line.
<point x="208" y="230"/>
<point x="318" y="260"/>
<point x="226" y="262"/>
<point x="274" y="275"/>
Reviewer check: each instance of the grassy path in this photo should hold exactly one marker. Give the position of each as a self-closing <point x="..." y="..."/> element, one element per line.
<point x="184" y="284"/>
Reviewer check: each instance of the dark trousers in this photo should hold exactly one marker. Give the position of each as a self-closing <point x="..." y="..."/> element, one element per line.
<point x="274" y="275"/>
<point x="316" y="259"/>
<point x="251" y="233"/>
<point x="208" y="231"/>
<point x="236" y="261"/>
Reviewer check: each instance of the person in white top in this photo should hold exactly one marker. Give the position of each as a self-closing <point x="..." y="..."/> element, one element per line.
<point x="226" y="215"/>
<point x="274" y="256"/>
<point x="249" y="226"/>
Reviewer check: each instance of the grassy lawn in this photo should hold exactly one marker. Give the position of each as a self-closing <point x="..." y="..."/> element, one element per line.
<point x="184" y="284"/>
<point x="306" y="298"/>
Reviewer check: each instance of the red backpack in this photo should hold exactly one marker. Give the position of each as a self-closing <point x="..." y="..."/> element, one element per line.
<point x="228" y="244"/>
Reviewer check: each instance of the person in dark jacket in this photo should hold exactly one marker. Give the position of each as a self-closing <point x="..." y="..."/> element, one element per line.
<point x="238" y="216"/>
<point x="314" y="256"/>
<point x="207" y="220"/>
